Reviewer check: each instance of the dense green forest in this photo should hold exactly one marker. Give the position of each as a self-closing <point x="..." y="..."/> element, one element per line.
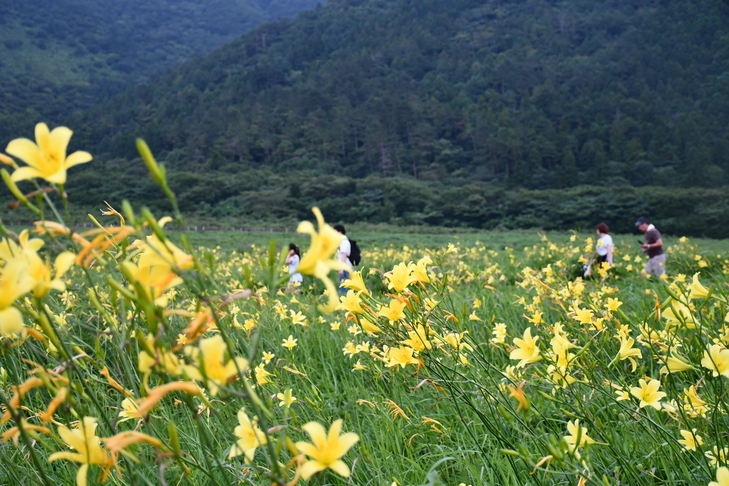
<point x="64" y="55"/>
<point x="459" y="112"/>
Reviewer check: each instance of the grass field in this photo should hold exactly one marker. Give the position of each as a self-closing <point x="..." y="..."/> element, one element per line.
<point x="134" y="356"/>
<point x="432" y="367"/>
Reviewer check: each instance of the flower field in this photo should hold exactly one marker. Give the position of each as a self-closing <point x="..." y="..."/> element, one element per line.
<point x="131" y="357"/>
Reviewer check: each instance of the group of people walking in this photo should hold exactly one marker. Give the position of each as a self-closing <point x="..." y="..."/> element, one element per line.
<point x="652" y="246"/>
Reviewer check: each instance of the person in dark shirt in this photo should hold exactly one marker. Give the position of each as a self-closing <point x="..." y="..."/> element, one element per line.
<point x="653" y="246"/>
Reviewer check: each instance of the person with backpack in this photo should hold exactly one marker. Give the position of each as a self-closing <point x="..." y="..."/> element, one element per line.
<point x="345" y="249"/>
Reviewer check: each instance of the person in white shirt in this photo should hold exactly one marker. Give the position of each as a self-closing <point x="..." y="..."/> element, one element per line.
<point x="292" y="260"/>
<point x="604" y="245"/>
<point x="345" y="248"/>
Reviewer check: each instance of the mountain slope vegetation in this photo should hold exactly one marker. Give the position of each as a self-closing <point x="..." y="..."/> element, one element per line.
<point x="64" y="55"/>
<point x="435" y="111"/>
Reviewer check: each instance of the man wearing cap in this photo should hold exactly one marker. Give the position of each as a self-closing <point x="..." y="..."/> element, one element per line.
<point x="653" y="246"/>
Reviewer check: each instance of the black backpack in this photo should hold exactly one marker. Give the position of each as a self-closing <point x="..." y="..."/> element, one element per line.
<point x="354" y="256"/>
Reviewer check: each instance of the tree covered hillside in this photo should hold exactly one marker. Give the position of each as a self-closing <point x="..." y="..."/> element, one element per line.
<point x="537" y="93"/>
<point x="439" y="112"/>
<point x="64" y="55"/>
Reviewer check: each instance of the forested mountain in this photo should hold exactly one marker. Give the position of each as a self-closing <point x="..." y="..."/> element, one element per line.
<point x="57" y="56"/>
<point x="436" y="111"/>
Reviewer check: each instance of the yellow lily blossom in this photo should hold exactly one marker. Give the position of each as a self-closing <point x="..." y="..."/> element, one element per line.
<point x="722" y="477"/>
<point x="678" y="314"/>
<point x="290" y="343"/>
<point x="316" y="261"/>
<point x="46" y="157"/>
<point x="418" y="339"/>
<point x="675" y="363"/>
<point x="87" y="446"/>
<point x="130" y="411"/>
<point x="402" y="355"/>
<point x="627" y="351"/>
<point x="648" y="394"/>
<point x="395" y="311"/>
<point x="578" y="435"/>
<point x="716" y="359"/>
<point x="250" y="437"/>
<point x="326" y="450"/>
<point x="527" y="350"/>
<point x="499" y="333"/>
<point x="287" y="398"/>
<point x="584" y="316"/>
<point x="351" y="302"/>
<point x="420" y="270"/>
<point x="400" y="277"/>
<point x="697" y="291"/>
<point x="41" y="273"/>
<point x="14" y="283"/>
<point x="367" y="326"/>
<point x="694" y="405"/>
<point x="10" y="250"/>
<point x="356" y="282"/>
<point x="211" y="364"/>
<point x="690" y="440"/>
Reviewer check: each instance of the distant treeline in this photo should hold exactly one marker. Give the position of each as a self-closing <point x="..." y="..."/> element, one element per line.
<point x="254" y="197"/>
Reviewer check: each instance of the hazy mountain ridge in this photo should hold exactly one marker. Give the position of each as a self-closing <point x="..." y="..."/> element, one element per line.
<point x="60" y="56"/>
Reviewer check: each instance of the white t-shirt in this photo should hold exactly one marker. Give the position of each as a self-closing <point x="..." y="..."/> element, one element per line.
<point x="344" y="247"/>
<point x="295" y="276"/>
<point x="603" y="243"/>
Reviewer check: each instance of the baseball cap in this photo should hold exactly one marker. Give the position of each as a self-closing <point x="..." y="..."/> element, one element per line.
<point x="640" y="221"/>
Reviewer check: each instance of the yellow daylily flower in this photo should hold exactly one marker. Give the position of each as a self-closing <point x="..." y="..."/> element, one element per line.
<point x="46" y="157"/>
<point x="289" y="342"/>
<point x="678" y="314"/>
<point x="420" y="270"/>
<point x="367" y="326"/>
<point x="400" y="277"/>
<point x="418" y="339"/>
<point x="402" y="355"/>
<point x="675" y="363"/>
<point x="317" y="261"/>
<point x="527" y="350"/>
<point x="14" y="283"/>
<point x="326" y="450"/>
<point x="212" y="365"/>
<point x="691" y="440"/>
<point x="10" y="250"/>
<point x="583" y="315"/>
<point x="87" y="446"/>
<point x="250" y="437"/>
<point x="351" y="302"/>
<point x="395" y="311"/>
<point x="40" y="271"/>
<point x="287" y="398"/>
<point x="722" y="477"/>
<point x="627" y="351"/>
<point x="356" y="282"/>
<point x="578" y="435"/>
<point x="716" y="359"/>
<point x="698" y="291"/>
<point x="130" y="411"/>
<point x="648" y="394"/>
